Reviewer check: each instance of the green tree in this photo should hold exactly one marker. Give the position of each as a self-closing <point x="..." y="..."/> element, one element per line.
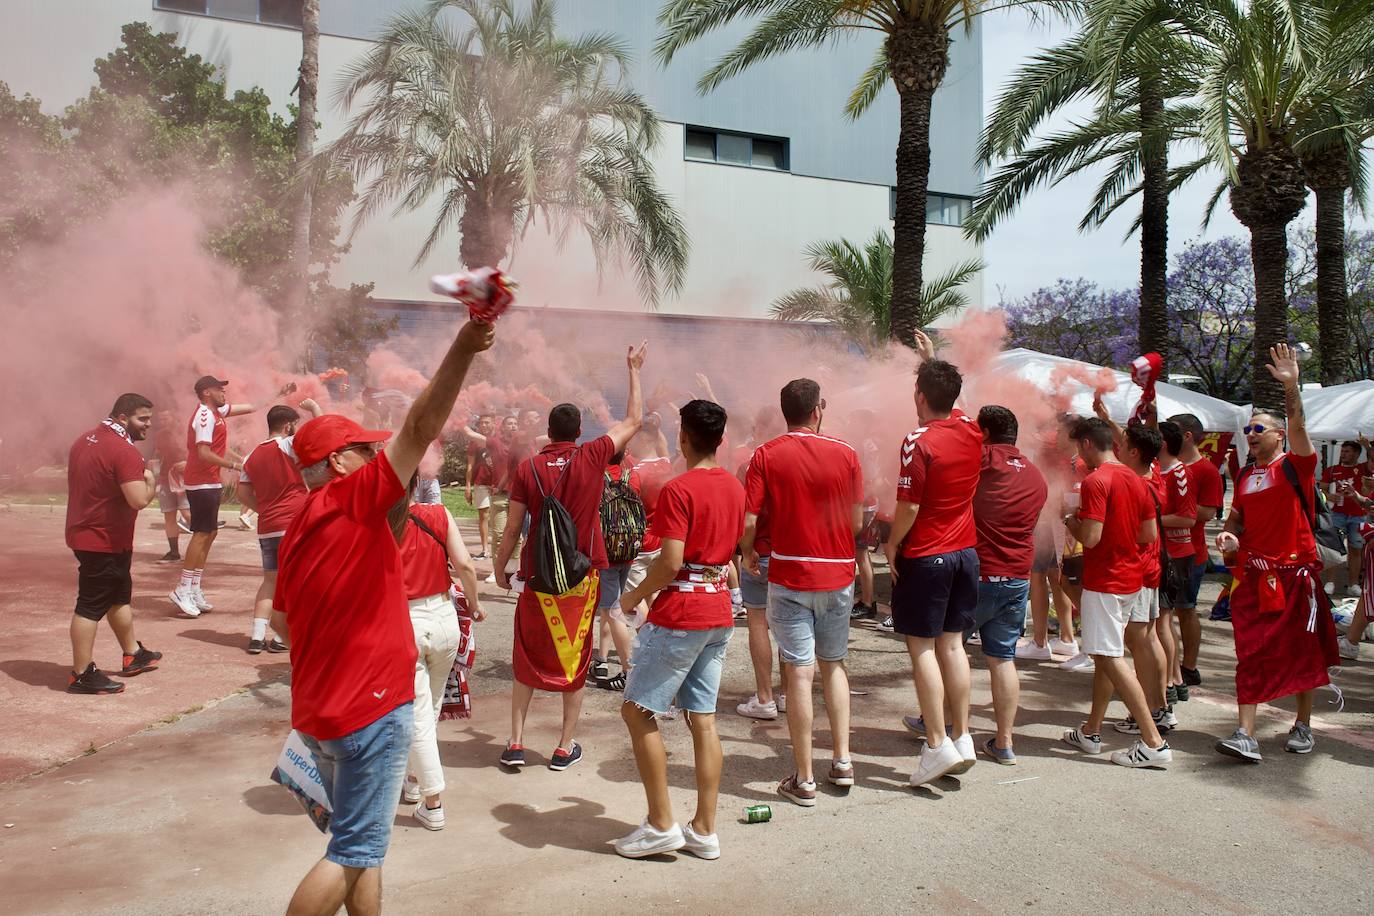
<point x="502" y="122"/>
<point x="914" y="54"/>
<point x="858" y="296"/>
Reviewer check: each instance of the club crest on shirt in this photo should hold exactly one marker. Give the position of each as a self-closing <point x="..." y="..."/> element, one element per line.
<point x="1257" y="481"/>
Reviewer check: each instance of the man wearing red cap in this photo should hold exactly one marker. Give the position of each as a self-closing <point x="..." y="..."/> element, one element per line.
<point x="341" y="588"/>
<point x="207" y="451"/>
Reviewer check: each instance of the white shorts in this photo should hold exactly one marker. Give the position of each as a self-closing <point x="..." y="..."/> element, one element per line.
<point x="639" y="569"/>
<point x="1149" y="606"/>
<point x="481" y="497"/>
<point x="1104" y="621"/>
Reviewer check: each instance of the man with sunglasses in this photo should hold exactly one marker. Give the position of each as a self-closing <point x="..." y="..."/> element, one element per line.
<point x="341" y="589"/>
<point x="1280" y="615"/>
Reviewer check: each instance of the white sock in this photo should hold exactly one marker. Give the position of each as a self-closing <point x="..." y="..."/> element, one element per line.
<point x="195" y="577"/>
<point x="259" y="628"/>
<point x="187" y="580"/>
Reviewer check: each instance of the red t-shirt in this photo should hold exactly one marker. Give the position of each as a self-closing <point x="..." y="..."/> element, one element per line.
<point x="940" y="464"/>
<point x="483" y="464"/>
<point x="1179" y="498"/>
<point x="343" y="593"/>
<point x="808" y="484"/>
<point x="762" y="545"/>
<point x="1150" y="567"/>
<point x="276" y="478"/>
<point x="705" y="510"/>
<point x="1357" y="474"/>
<point x="579" y="491"/>
<point x="1208" y="491"/>
<point x="207" y="425"/>
<point x="1274" y="525"/>
<point x="1006" y="507"/>
<point x="1115" y="495"/>
<point x="653" y="474"/>
<point x="168" y="449"/>
<point x="424" y="561"/>
<point x="99" y="518"/>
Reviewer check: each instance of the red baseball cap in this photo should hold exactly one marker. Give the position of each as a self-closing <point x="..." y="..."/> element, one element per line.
<point x="322" y="436"/>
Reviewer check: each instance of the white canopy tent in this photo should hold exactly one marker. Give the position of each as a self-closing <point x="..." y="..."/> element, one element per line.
<point x="1340" y="412"/>
<point x="1039" y="369"/>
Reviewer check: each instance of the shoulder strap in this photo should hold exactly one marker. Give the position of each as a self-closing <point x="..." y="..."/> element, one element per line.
<point x="429" y="531"/>
<point x="540" y="485"/>
<point x="1291" y="474"/>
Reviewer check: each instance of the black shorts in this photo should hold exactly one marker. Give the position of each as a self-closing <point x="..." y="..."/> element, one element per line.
<point x="1176" y="591"/>
<point x="102" y="582"/>
<point x="1071" y="569"/>
<point x="935" y="594"/>
<point x="205" y="509"/>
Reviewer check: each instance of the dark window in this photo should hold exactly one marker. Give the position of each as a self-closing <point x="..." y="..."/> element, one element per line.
<point x="280" y="12"/>
<point x="181" y="6"/>
<point x="769" y="154"/>
<point x="701" y="144"/>
<point x="736" y="149"/>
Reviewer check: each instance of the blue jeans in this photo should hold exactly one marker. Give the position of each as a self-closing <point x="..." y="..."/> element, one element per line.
<point x="810" y="625"/>
<point x="1000" y="616"/>
<point x="362" y="774"/>
<point x="1350" y="524"/>
<point x="753" y="589"/>
<point x="677" y="663"/>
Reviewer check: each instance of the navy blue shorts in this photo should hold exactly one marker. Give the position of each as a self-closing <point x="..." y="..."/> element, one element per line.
<point x="269" y="547"/>
<point x="935" y="594"/>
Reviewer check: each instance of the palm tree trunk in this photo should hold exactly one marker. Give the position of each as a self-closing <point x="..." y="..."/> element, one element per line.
<point x="917" y="57"/>
<point x="1154" y="231"/>
<point x="1333" y="330"/>
<point x="487" y="230"/>
<point x="305" y="147"/>
<point x="1269" y="255"/>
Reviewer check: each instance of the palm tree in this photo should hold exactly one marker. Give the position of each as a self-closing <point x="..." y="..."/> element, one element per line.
<point x="1264" y="69"/>
<point x="858" y="297"/>
<point x="505" y="122"/>
<point x="1130" y="132"/>
<point x="914" y="54"/>
<point x="308" y="86"/>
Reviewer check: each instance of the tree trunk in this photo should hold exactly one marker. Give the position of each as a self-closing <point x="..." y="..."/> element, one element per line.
<point x="487" y="229"/>
<point x="1269" y="255"/>
<point x="305" y="147"/>
<point x="918" y="56"/>
<point x="1154" y="231"/>
<point x="1329" y="177"/>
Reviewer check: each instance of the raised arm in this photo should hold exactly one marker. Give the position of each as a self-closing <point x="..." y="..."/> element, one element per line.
<point x="426" y="418"/>
<point x="624" y="431"/>
<point x="310" y="407"/>
<point x="1283" y="366"/>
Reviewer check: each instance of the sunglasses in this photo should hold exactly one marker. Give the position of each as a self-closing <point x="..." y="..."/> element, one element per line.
<point x="1257" y="428"/>
<point x="369" y="449"/>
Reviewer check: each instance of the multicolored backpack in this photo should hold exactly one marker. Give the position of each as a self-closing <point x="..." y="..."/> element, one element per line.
<point x="622" y="520"/>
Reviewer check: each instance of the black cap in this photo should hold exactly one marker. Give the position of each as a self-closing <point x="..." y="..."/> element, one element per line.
<point x="209" y="381"/>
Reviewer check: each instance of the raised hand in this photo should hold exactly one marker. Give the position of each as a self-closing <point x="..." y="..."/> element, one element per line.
<point x="1283" y="365"/>
<point x="924" y="345"/>
<point x="476" y="336"/>
<point x="635" y="358"/>
<point x="1100" y="409"/>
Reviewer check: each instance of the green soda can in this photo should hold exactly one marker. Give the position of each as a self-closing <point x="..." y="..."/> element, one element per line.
<point x="757" y="814"/>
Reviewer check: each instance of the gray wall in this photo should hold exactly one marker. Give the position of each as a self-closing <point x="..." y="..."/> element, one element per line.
<point x="799" y="95"/>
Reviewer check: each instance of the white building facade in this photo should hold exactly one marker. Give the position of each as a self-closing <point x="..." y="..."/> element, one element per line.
<point x="759" y="169"/>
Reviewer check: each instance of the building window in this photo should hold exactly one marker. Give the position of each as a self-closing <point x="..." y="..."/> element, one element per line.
<point x="280" y="12"/>
<point x="941" y="209"/>
<point x="181" y="6"/>
<point x="736" y="149"/>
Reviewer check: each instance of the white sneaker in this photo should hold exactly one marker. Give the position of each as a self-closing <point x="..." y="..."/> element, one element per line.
<point x="964" y="745"/>
<point x="491" y="579"/>
<point x="1330" y="588"/>
<point x="1088" y="744"/>
<point x="1348" y="649"/>
<point x="1062" y="648"/>
<point x="1031" y="652"/>
<point x="782" y="702"/>
<point x="936" y="762"/>
<point x="410" y="791"/>
<point x="1142" y="755"/>
<point x="756" y="710"/>
<point x="430" y="818"/>
<point x="1079" y="662"/>
<point x="1354" y="591"/>
<point x="703" y="847"/>
<point x="198" y="597"/>
<point x="185" y="602"/>
<point x="646" y="840"/>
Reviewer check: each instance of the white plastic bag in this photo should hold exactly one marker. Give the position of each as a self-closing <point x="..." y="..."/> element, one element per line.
<point x="297" y="771"/>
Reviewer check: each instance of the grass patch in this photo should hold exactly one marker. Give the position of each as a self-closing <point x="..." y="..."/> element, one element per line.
<point x="454" y="501"/>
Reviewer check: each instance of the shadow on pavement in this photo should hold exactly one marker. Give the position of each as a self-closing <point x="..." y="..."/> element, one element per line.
<point x="580" y="824"/>
<point x="52" y="675"/>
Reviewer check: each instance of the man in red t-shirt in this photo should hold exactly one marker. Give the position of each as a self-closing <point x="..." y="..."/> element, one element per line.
<point x="481" y="476"/>
<point x="1115" y="517"/>
<point x="699" y="519"/>
<point x="932" y="554"/>
<point x="1342" y="481"/>
<point x="271" y="485"/>
<point x="551" y="650"/>
<point x="1006" y="509"/>
<point x="353" y="654"/>
<point x="1177" y="515"/>
<point x="106" y="486"/>
<point x="1280" y="615"/>
<point x="169" y="454"/>
<point x="495" y="452"/>
<point x="207" y="452"/>
<point x="811" y="488"/>
<point x="1204" y="480"/>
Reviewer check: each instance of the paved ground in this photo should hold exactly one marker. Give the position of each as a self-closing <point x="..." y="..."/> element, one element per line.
<point x="181" y="818"/>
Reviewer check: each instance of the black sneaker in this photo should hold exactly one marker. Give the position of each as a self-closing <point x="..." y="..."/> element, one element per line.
<point x="276" y="645"/>
<point x="256" y="646"/>
<point x="170" y="556"/>
<point x="886" y="625"/>
<point x="92" y="680"/>
<point x="1171" y="696"/>
<point x="562" y="759"/>
<point x="863" y="611"/>
<point x="513" y="756"/>
<point x="1181" y="690"/>
<point x="140" y="661"/>
<point x="600" y="671"/>
<point x="1191" y="677"/>
<point x="612" y="683"/>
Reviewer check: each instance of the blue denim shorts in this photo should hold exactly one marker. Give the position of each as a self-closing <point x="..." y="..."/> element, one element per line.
<point x="362" y="774"/>
<point x="1195" y="577"/>
<point x="1350" y="524"/>
<point x="753" y="589"/>
<point x="612" y="584"/>
<point x="810" y="625"/>
<point x="677" y="663"/>
<point x="269" y="547"/>
<point x="1000" y="616"/>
